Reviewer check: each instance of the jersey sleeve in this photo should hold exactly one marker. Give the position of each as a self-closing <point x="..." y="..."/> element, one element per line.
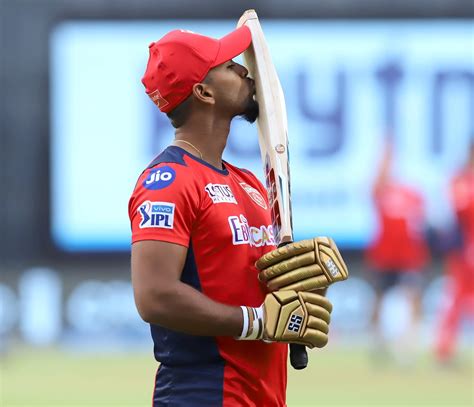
<point x="164" y="205"/>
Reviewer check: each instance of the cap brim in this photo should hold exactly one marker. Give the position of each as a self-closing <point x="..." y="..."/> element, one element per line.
<point x="233" y="44"/>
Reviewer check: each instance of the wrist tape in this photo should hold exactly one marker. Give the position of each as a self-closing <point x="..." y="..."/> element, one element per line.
<point x="252" y="328"/>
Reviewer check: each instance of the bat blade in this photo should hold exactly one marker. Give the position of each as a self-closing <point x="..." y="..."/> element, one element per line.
<point x="273" y="139"/>
<point x="272" y="128"/>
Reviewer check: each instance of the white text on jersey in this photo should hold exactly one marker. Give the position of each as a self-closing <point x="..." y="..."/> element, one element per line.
<point x="220" y="193"/>
<point x="242" y="233"/>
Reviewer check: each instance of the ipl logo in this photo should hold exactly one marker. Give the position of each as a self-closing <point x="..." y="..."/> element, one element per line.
<point x="156" y="215"/>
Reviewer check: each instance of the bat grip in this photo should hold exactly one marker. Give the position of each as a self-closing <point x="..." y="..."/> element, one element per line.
<point x="298" y="353"/>
<point x="298" y="356"/>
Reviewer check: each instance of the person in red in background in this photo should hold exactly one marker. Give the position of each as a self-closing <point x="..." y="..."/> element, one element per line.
<point x="459" y="263"/>
<point x="399" y="252"/>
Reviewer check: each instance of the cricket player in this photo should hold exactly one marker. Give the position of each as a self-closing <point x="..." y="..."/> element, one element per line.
<point x="199" y="224"/>
<point x="399" y="252"/>
<point x="459" y="264"/>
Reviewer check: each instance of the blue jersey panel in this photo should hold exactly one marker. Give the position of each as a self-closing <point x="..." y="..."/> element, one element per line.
<point x="186" y="386"/>
<point x="174" y="348"/>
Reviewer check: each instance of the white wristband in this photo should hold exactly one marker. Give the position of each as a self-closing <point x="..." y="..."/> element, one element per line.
<point x="245" y="327"/>
<point x="253" y="323"/>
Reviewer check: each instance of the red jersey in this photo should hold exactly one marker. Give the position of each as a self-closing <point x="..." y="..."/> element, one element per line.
<point x="399" y="244"/>
<point x="462" y="197"/>
<point x="223" y="218"/>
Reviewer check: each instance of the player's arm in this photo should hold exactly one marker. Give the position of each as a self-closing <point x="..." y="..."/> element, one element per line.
<point x="161" y="297"/>
<point x="383" y="173"/>
<point x="160" y="234"/>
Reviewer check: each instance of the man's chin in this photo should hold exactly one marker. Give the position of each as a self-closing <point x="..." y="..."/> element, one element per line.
<point x="250" y="113"/>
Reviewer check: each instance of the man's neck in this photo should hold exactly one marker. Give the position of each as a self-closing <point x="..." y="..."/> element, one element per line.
<point x="206" y="139"/>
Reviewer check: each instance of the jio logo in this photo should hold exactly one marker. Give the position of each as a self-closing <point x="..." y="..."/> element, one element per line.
<point x="160" y="178"/>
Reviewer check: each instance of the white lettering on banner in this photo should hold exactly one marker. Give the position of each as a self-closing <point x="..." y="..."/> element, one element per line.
<point x="220" y="193"/>
<point x="242" y="233"/>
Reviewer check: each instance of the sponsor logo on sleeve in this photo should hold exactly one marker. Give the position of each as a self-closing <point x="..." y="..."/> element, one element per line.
<point x="243" y="233"/>
<point x="156" y="215"/>
<point x="220" y="193"/>
<point x="254" y="194"/>
<point x="160" y="178"/>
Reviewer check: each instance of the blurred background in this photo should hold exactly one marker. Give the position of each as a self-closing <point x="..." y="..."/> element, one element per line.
<point x="380" y="100"/>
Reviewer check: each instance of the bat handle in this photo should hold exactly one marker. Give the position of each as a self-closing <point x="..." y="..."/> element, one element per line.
<point x="298" y="356"/>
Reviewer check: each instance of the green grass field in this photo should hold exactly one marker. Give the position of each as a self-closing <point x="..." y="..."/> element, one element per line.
<point x="51" y="378"/>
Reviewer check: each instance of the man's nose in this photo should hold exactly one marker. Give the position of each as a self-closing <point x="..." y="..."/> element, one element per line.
<point x="243" y="71"/>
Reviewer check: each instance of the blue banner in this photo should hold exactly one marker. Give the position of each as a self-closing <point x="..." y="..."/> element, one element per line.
<point x="348" y="86"/>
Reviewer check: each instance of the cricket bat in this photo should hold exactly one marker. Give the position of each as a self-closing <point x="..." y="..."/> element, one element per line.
<point x="273" y="140"/>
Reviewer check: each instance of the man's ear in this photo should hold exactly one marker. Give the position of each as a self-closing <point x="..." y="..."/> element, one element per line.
<point x="204" y="93"/>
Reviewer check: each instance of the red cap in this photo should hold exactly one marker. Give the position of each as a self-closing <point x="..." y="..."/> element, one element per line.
<point x="182" y="58"/>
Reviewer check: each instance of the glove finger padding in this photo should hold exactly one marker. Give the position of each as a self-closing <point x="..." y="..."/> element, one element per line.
<point x="297" y="318"/>
<point x="285" y="252"/>
<point x="303" y="266"/>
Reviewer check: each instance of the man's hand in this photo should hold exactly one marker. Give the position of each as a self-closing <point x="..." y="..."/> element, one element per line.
<point x="288" y="316"/>
<point x="306" y="265"/>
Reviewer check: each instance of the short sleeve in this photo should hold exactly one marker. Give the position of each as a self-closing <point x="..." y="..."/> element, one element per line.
<point x="164" y="205"/>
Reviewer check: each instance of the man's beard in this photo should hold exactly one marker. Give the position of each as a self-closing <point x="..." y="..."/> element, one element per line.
<point x="251" y="110"/>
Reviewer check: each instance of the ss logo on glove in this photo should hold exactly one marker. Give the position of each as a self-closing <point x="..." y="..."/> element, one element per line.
<point x="295" y="323"/>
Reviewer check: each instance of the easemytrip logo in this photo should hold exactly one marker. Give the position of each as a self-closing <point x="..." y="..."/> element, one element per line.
<point x="242" y="233"/>
<point x="156" y="215"/>
<point x="160" y="178"/>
